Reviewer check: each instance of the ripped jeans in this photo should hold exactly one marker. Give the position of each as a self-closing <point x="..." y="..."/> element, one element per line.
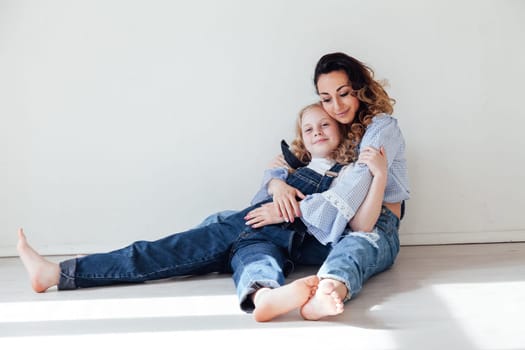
<point x="352" y="260"/>
<point x="357" y="256"/>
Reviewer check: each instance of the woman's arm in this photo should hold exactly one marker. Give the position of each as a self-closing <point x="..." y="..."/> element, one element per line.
<point x="269" y="175"/>
<point x="327" y="214"/>
<point x="285" y="199"/>
<point x="284" y="205"/>
<point x="368" y="213"/>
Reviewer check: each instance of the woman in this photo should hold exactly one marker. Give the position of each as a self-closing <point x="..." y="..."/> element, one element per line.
<point x="350" y="95"/>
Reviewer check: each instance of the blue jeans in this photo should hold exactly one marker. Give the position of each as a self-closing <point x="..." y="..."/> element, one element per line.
<point x="357" y="256"/>
<point x="257" y="257"/>
<point x="352" y="260"/>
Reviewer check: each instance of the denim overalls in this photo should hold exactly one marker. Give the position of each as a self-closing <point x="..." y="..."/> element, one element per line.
<point x="256" y="257"/>
<point x="353" y="259"/>
<point x="201" y="250"/>
<point x="263" y="257"/>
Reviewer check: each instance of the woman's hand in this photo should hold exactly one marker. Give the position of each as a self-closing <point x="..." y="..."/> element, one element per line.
<point x="285" y="202"/>
<point x="375" y="160"/>
<point x="278" y="162"/>
<point x="266" y="214"/>
<point x="285" y="199"/>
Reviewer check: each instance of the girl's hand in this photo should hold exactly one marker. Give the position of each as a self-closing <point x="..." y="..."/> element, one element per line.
<point x="266" y="214"/>
<point x="375" y="160"/>
<point x="278" y="162"/>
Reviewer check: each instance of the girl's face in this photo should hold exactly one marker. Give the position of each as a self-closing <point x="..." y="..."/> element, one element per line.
<point x="320" y="133"/>
<point x="337" y="97"/>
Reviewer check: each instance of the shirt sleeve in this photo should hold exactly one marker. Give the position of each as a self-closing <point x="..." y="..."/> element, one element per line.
<point x="327" y="214"/>
<point x="269" y="174"/>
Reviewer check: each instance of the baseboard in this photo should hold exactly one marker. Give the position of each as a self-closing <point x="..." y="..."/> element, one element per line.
<point x="432" y="238"/>
<point x="406" y="238"/>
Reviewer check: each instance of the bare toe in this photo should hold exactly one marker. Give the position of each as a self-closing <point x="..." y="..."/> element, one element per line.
<point x="279" y="301"/>
<point x="325" y="302"/>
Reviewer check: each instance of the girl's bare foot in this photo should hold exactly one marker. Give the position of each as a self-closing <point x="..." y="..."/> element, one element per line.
<point x="270" y="303"/>
<point x="42" y="273"/>
<point x="326" y="301"/>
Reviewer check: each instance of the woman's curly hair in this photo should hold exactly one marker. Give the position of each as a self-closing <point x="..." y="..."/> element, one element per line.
<point x="343" y="154"/>
<point x="373" y="98"/>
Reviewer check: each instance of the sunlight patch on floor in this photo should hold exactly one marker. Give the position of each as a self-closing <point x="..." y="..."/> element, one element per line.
<point x="481" y="312"/>
<point x="263" y="337"/>
<point x="34" y="311"/>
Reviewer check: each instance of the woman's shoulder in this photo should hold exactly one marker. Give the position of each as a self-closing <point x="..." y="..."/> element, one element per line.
<point x="383" y="120"/>
<point x="383" y="127"/>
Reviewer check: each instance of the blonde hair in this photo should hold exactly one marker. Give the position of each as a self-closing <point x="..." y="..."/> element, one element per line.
<point x="343" y="154"/>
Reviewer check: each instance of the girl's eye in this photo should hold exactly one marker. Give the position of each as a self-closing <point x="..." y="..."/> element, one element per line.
<point x="326" y="124"/>
<point x="344" y="94"/>
<point x="325" y="101"/>
<point x="308" y="130"/>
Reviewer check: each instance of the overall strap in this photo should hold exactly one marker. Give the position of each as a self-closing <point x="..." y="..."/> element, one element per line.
<point x="334" y="170"/>
<point x="329" y="176"/>
<point x="308" y="181"/>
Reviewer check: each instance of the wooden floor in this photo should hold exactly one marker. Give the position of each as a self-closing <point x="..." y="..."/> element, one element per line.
<point x="435" y="297"/>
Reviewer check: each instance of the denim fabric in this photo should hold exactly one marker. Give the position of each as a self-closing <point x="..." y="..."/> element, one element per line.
<point x="197" y="251"/>
<point x="216" y="217"/>
<point x="257" y="257"/>
<point x="357" y="256"/>
<point x="263" y="257"/>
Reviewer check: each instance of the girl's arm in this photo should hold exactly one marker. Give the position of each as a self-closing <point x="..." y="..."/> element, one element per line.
<point x="366" y="216"/>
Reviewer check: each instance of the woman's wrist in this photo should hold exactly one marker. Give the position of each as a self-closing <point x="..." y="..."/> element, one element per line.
<point x="379" y="181"/>
<point x="381" y="177"/>
<point x="272" y="184"/>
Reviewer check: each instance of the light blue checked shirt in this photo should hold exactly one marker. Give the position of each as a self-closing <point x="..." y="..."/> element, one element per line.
<point x="326" y="215"/>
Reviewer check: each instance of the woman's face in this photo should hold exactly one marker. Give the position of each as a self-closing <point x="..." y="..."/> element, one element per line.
<point x="337" y="97"/>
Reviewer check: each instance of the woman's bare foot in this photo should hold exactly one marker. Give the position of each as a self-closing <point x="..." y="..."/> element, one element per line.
<point x="270" y="303"/>
<point x="326" y="301"/>
<point x="42" y="273"/>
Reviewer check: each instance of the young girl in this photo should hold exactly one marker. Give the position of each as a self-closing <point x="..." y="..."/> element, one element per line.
<point x="258" y="258"/>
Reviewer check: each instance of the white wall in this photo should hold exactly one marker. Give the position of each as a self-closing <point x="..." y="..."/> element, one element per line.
<point x="126" y="120"/>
